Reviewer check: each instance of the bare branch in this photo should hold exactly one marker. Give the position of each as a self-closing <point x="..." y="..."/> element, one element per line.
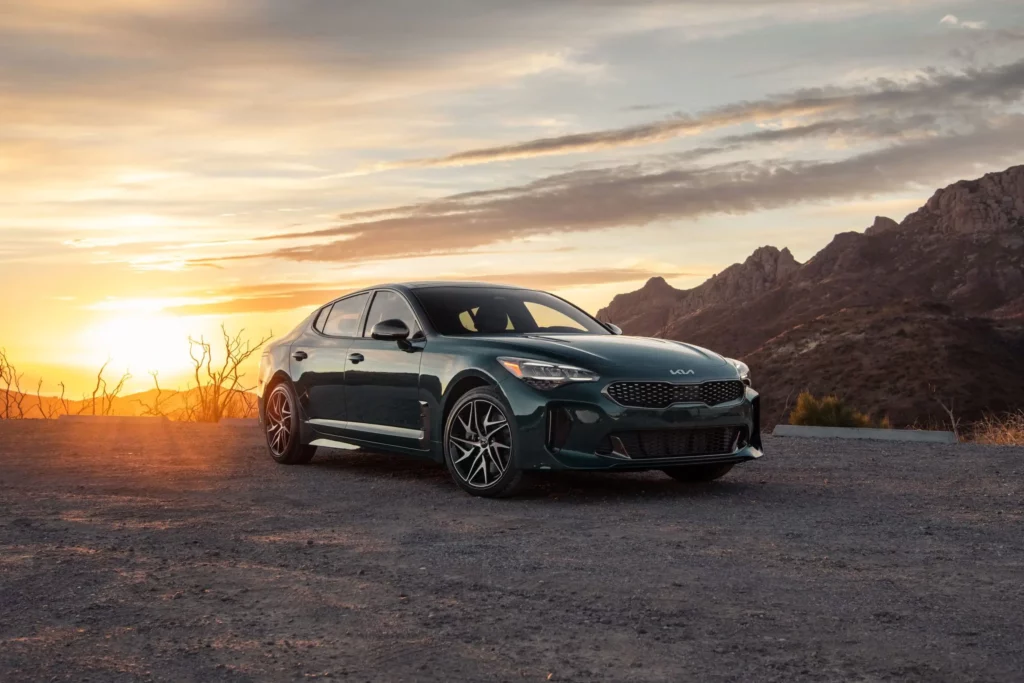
<point x="18" y="396"/>
<point x="156" y="408"/>
<point x="110" y="396"/>
<point x="65" y="404"/>
<point x="954" y="421"/>
<point x="99" y="381"/>
<point x="43" y="413"/>
<point x="6" y="372"/>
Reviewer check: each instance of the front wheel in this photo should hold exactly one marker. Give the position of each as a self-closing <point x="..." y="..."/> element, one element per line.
<point x="480" y="444"/>
<point x="694" y="474"/>
<point x="281" y="426"/>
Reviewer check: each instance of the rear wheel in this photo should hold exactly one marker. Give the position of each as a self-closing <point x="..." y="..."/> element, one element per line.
<point x="480" y="443"/>
<point x="281" y="426"/>
<point x="694" y="474"/>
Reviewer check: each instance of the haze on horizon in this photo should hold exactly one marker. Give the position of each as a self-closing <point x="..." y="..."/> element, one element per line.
<point x="169" y="165"/>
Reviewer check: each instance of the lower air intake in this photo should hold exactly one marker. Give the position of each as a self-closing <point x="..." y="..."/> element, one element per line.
<point x="675" y="443"/>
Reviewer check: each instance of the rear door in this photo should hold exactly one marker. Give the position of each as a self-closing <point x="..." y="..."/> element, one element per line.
<point x="319" y="361"/>
<point x="382" y="378"/>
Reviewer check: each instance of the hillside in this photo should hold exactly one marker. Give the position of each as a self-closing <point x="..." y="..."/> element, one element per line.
<point x="893" y="318"/>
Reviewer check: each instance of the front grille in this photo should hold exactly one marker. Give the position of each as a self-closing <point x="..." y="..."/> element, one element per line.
<point x="673" y="443"/>
<point x="664" y="394"/>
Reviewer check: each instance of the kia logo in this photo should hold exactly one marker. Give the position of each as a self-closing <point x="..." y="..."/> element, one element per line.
<point x="681" y="372"/>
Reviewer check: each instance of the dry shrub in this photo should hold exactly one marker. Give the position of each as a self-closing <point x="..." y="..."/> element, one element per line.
<point x="829" y="411"/>
<point x="12" y="401"/>
<point x="219" y="390"/>
<point x="107" y="396"/>
<point x="1000" y="430"/>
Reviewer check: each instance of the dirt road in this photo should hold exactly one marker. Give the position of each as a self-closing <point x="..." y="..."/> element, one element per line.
<point x="182" y="553"/>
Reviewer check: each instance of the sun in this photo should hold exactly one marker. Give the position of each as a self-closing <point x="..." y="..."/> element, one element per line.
<point x="139" y="342"/>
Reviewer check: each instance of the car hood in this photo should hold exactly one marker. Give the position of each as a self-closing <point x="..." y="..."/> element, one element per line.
<point x="621" y="357"/>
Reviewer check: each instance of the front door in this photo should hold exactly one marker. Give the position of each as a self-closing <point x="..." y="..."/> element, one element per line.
<point x="382" y="379"/>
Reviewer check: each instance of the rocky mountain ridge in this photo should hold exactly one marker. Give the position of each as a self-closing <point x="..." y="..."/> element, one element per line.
<point x="955" y="267"/>
<point x="657" y="303"/>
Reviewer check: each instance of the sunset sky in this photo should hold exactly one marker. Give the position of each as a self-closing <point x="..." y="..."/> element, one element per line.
<point x="169" y="165"/>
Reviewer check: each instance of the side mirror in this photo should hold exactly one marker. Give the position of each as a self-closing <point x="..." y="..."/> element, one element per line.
<point x="614" y="329"/>
<point x="390" y="330"/>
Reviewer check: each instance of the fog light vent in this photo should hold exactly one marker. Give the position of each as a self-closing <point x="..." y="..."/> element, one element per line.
<point x="559" y="426"/>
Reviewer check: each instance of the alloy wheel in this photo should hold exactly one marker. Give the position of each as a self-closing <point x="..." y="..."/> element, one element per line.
<point x="480" y="443"/>
<point x="279" y="422"/>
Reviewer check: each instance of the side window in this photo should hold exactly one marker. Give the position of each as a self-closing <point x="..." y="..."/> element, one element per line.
<point x="343" y="320"/>
<point x="390" y="306"/>
<point x="321" y="318"/>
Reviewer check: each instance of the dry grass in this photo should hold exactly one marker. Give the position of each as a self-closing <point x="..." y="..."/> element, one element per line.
<point x="830" y="411"/>
<point x="1001" y="430"/>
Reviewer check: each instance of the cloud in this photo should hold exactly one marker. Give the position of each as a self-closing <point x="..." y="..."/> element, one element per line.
<point x="952" y="20"/>
<point x="633" y="195"/>
<point x="162" y="50"/>
<point x="848" y="129"/>
<point x="929" y="92"/>
<point x="245" y="105"/>
<point x="267" y="70"/>
<point x="265" y="298"/>
<point x="282" y="301"/>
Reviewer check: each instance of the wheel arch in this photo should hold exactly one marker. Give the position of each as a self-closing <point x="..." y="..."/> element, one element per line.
<point x="275" y="379"/>
<point x="458" y="388"/>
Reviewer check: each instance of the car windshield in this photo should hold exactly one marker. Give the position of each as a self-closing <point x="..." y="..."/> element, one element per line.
<point x="494" y="310"/>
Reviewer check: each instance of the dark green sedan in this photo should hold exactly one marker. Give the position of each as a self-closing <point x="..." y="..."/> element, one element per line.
<point x="495" y="381"/>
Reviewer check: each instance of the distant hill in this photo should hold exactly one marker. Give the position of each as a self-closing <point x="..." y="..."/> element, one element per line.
<point x="892" y="319"/>
<point x="172" y="403"/>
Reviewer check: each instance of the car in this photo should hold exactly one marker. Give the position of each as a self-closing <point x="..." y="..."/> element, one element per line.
<point x="496" y="381"/>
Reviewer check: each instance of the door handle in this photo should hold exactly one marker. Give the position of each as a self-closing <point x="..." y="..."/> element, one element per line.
<point x="356" y="357"/>
<point x="300" y="355"/>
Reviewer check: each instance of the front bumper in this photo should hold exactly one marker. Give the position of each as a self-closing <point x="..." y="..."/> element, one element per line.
<point x="587" y="418"/>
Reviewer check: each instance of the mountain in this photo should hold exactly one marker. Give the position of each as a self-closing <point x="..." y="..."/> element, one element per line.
<point x="895" y="318"/>
<point x="650" y="309"/>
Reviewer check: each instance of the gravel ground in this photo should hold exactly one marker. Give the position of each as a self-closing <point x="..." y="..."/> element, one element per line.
<point x="183" y="553"/>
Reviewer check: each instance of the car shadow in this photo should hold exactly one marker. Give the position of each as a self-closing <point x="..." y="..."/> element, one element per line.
<point x="539" y="486"/>
<point x="603" y="486"/>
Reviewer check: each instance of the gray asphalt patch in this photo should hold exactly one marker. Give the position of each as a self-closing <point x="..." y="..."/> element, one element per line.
<point x="178" y="552"/>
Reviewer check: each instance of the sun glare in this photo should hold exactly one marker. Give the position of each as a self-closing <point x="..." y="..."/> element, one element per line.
<point x="139" y="343"/>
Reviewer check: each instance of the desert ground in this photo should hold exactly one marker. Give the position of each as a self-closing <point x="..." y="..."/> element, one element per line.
<point x="177" y="552"/>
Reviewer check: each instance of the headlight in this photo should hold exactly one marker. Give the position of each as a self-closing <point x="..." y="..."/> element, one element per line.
<point x="543" y="375"/>
<point x="741" y="368"/>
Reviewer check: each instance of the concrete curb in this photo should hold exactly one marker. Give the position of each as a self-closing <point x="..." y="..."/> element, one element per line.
<point x="114" y="419"/>
<point x="857" y="433"/>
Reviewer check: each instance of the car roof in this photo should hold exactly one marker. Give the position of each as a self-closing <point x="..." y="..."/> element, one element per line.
<point x="424" y="284"/>
<point x="427" y="284"/>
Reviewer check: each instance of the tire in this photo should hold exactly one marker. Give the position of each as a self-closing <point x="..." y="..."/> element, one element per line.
<point x="480" y="442"/>
<point x="282" y="428"/>
<point x="695" y="474"/>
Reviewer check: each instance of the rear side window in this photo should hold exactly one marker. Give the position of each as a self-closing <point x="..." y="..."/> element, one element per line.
<point x="390" y="306"/>
<point x="321" y="319"/>
<point x="343" y="320"/>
